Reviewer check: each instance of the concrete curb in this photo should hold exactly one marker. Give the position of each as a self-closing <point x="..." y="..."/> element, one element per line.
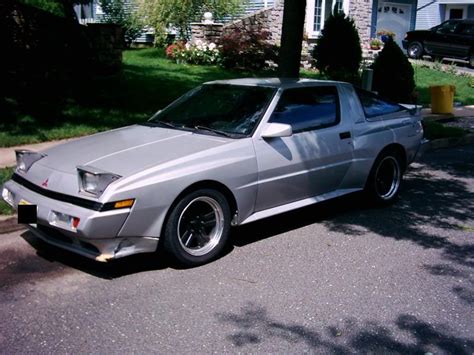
<point x="9" y="224"/>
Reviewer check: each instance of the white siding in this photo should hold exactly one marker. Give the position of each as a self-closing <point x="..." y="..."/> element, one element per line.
<point x="428" y="14"/>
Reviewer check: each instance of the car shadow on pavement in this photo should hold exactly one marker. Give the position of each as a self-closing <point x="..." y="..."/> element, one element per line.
<point x="109" y="270"/>
<point x="435" y="197"/>
<point x="253" y="326"/>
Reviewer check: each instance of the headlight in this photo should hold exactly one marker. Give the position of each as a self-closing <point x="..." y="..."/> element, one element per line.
<point x="94" y="181"/>
<point x="7" y="196"/>
<point x="25" y="159"/>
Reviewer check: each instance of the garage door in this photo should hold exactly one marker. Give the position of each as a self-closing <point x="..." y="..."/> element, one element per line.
<point x="394" y="17"/>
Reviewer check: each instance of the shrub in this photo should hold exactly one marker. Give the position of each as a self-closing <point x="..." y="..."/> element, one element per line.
<point x="173" y="49"/>
<point x="247" y="49"/>
<point x="393" y="74"/>
<point x="194" y="53"/>
<point x="337" y="52"/>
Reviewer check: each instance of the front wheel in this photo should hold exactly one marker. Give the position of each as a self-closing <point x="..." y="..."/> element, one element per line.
<point x="383" y="184"/>
<point x="198" y="227"/>
<point x="415" y="50"/>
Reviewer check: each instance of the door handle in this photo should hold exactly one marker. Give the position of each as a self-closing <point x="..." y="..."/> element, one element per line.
<point x="345" y="135"/>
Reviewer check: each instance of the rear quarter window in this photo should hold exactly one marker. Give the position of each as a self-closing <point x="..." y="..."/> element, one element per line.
<point x="375" y="106"/>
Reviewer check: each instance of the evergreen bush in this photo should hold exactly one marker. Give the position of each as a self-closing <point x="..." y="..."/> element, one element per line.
<point x="337" y="52"/>
<point x="393" y="74"/>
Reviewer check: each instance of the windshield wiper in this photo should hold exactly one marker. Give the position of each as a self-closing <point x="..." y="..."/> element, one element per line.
<point x="166" y="124"/>
<point x="219" y="132"/>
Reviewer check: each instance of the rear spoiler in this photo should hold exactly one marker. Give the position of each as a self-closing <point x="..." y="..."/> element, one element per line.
<point x="413" y="109"/>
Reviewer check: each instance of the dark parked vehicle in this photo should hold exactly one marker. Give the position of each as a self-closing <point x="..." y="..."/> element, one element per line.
<point x="451" y="39"/>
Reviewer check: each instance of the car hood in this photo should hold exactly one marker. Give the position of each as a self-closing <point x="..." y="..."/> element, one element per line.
<point x="128" y="150"/>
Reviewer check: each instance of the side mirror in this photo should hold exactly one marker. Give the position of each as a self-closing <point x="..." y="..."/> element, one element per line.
<point x="274" y="130"/>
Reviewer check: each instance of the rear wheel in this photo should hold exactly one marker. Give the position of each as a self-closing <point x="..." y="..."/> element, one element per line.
<point x="415" y="50"/>
<point x="383" y="184"/>
<point x="198" y="227"/>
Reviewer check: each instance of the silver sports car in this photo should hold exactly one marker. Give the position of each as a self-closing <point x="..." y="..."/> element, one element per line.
<point x="227" y="153"/>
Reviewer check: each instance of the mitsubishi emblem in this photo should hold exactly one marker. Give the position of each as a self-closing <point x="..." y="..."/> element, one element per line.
<point x="45" y="183"/>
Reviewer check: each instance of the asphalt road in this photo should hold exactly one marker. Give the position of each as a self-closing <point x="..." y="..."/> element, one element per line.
<point x="338" y="277"/>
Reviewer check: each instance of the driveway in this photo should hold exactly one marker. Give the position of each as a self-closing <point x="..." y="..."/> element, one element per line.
<point x="338" y="277"/>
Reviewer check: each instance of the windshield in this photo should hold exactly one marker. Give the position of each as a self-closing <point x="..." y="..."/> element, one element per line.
<point x="218" y="108"/>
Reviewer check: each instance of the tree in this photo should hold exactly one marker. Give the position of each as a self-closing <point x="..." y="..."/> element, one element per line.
<point x="337" y="52"/>
<point x="393" y="73"/>
<point x="162" y="14"/>
<point x="291" y="38"/>
<point x="57" y="7"/>
<point x="123" y="13"/>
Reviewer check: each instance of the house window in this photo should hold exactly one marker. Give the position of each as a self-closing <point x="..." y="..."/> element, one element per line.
<point x="318" y="11"/>
<point x="454" y="12"/>
<point x="317" y="15"/>
<point x="338" y="5"/>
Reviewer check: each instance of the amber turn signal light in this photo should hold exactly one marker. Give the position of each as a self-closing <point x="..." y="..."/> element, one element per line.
<point x="124" y="203"/>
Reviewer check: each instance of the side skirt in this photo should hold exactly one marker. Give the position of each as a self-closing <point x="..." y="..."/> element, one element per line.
<point x="297" y="204"/>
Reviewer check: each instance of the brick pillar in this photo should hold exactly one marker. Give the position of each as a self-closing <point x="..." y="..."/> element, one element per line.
<point x="206" y="32"/>
<point x="361" y="12"/>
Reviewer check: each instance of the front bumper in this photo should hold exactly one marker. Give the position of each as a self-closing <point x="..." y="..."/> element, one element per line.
<point x="95" y="237"/>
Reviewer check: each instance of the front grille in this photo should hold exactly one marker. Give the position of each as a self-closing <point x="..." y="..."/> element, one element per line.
<point x="78" y="201"/>
<point x="82" y="202"/>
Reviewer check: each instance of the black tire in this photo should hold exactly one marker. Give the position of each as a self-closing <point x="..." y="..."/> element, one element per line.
<point x="385" y="178"/>
<point x="471" y="59"/>
<point x="197" y="227"/>
<point x="415" y="50"/>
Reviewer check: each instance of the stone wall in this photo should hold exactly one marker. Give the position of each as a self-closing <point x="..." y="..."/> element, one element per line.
<point x="106" y="42"/>
<point x="269" y="20"/>
<point x="206" y="32"/>
<point x="361" y="12"/>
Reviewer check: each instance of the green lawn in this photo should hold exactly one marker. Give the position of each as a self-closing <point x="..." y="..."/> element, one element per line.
<point x="436" y="130"/>
<point x="5" y="175"/>
<point x="147" y="83"/>
<point x="426" y="77"/>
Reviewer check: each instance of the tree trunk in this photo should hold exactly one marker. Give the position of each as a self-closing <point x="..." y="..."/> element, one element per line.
<point x="291" y="38"/>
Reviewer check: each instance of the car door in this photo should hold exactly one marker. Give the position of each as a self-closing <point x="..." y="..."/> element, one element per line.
<point x="438" y="42"/>
<point x="314" y="159"/>
<point x="464" y="41"/>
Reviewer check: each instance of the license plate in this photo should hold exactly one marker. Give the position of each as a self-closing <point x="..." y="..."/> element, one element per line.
<point x="27" y="212"/>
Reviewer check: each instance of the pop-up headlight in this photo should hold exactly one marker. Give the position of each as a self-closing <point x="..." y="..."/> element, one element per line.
<point x="25" y="159"/>
<point x="94" y="181"/>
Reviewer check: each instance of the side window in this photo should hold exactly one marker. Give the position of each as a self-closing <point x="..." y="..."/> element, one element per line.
<point x="447" y="27"/>
<point x="375" y="106"/>
<point x="466" y="29"/>
<point x="308" y="108"/>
